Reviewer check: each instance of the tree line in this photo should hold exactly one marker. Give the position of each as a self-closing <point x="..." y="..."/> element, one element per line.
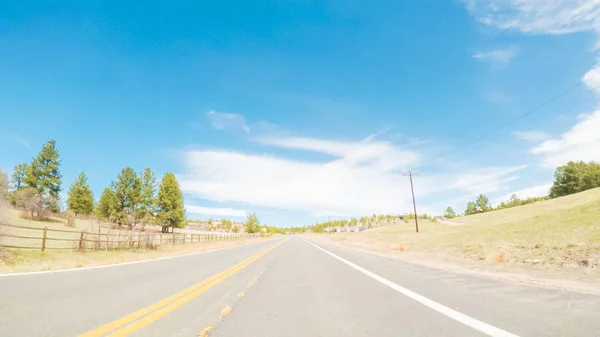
<point x="129" y="200"/>
<point x="134" y="199"/>
<point x="573" y="177"/>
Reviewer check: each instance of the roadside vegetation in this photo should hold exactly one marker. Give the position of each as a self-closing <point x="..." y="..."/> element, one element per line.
<point x="558" y="234"/>
<point x="117" y="227"/>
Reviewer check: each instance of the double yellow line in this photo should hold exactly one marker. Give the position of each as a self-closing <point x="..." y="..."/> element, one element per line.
<point x="151" y="313"/>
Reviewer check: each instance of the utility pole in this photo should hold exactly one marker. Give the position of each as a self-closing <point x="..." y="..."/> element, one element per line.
<point x="410" y="175"/>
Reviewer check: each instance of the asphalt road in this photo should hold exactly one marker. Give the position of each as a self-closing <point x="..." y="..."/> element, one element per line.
<point x="285" y="287"/>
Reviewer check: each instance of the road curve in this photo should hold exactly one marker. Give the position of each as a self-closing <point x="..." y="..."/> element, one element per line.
<point x="285" y="287"/>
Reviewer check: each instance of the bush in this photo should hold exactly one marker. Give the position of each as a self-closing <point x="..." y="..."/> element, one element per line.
<point x="35" y="205"/>
<point x="70" y="217"/>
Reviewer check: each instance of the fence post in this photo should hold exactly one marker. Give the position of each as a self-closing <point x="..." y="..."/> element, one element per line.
<point x="161" y="238"/>
<point x="173" y="239"/>
<point x="107" y="238"/>
<point x="44" y="239"/>
<point x="184" y="238"/>
<point x="81" y="240"/>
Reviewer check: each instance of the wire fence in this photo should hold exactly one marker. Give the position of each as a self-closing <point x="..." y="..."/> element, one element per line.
<point x="24" y="237"/>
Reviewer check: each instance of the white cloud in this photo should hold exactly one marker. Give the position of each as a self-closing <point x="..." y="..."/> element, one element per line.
<point x="368" y="152"/>
<point x="582" y="142"/>
<point x="502" y="56"/>
<point x="486" y="180"/>
<point x="362" y="178"/>
<point x="538" y="16"/>
<point x="532" y="135"/>
<point x="215" y="211"/>
<point x="227" y="121"/>
<point x="592" y="78"/>
<point x="531" y="192"/>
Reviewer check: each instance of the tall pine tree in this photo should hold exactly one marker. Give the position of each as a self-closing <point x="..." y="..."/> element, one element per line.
<point x="127" y="191"/>
<point x="18" y="176"/>
<point x="106" y="205"/>
<point x="171" y="212"/>
<point x="147" y="201"/>
<point x="81" y="198"/>
<point x="43" y="174"/>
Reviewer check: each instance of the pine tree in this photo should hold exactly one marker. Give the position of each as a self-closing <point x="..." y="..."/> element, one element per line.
<point x="43" y="174"/>
<point x="19" y="175"/>
<point x="471" y="208"/>
<point x="171" y="212"/>
<point x="449" y="213"/>
<point x="81" y="198"/>
<point x="483" y="203"/>
<point x="147" y="202"/>
<point x="127" y="190"/>
<point x="106" y="205"/>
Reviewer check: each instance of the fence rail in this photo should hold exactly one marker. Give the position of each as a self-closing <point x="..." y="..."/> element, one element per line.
<point x="23" y="237"/>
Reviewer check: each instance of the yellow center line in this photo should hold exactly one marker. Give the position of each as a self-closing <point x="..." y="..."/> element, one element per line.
<point x="162" y="307"/>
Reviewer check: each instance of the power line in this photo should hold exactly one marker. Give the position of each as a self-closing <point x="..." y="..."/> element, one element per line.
<point x="470" y="145"/>
<point x="471" y="151"/>
<point x="518" y="118"/>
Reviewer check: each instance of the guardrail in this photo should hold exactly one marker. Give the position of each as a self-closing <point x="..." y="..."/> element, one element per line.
<point x="13" y="236"/>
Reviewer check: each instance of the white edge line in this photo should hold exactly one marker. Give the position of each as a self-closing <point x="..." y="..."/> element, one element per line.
<point x="125" y="263"/>
<point x="469" y="321"/>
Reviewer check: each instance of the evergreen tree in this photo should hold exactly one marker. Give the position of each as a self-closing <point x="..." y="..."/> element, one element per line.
<point x="471" y="208"/>
<point x="127" y="190"/>
<point x="483" y="203"/>
<point x="81" y="198"/>
<point x="171" y="212"/>
<point x="147" y="202"/>
<point x="43" y="174"/>
<point x="450" y="213"/>
<point x="19" y="175"/>
<point x="106" y="205"/>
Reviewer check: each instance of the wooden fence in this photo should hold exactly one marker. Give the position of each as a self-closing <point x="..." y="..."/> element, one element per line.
<point x="23" y="237"/>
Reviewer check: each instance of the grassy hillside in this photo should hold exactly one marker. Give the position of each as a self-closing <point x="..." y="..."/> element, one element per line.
<point x="562" y="232"/>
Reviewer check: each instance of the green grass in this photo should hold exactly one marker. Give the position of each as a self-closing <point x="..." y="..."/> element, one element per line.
<point x="562" y="233"/>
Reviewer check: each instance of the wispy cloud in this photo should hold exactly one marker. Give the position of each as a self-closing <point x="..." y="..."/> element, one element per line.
<point x="227" y="121"/>
<point x="215" y="211"/>
<point x="581" y="142"/>
<point x="22" y="141"/>
<point x="530" y="192"/>
<point x="500" y="56"/>
<point x="362" y="177"/>
<point x="532" y="135"/>
<point x="538" y="16"/>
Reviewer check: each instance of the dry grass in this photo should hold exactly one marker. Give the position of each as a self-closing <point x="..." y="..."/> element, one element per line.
<point x="17" y="260"/>
<point x="562" y="233"/>
<point x="20" y="260"/>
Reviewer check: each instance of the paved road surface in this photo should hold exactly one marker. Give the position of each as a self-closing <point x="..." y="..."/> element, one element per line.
<point x="285" y="287"/>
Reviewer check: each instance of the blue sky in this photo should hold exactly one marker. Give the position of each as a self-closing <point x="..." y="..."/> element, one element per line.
<point x="299" y="110"/>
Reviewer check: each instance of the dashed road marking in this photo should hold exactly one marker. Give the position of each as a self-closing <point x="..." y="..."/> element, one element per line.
<point x="225" y="311"/>
<point x="205" y="332"/>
